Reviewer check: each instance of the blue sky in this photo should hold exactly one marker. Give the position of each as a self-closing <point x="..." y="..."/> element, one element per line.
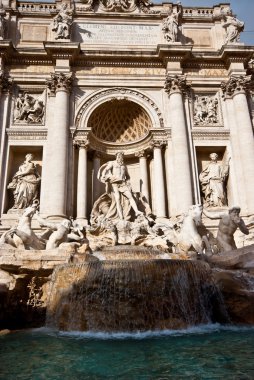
<point x="244" y="10"/>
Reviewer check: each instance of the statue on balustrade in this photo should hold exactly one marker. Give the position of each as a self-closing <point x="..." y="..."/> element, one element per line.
<point x="118" y="202"/>
<point x="233" y="28"/>
<point x="25" y="184"/>
<point x="170" y="25"/>
<point x="62" y="22"/>
<point x="213" y="181"/>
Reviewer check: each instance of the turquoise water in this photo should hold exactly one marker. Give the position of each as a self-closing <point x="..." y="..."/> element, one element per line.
<point x="210" y="352"/>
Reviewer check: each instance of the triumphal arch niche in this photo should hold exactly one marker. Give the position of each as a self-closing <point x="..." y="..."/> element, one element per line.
<point x="169" y="86"/>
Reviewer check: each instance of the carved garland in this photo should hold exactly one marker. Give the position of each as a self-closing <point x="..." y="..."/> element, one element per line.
<point x="116" y="91"/>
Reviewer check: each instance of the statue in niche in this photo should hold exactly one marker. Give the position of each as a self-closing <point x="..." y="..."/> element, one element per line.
<point x="233" y="28"/>
<point x="29" y="109"/>
<point x="118" y="200"/>
<point x="171" y="24"/>
<point x="212" y="180"/>
<point x="2" y="22"/>
<point x="25" y="184"/>
<point x="205" y="110"/>
<point x="62" y="23"/>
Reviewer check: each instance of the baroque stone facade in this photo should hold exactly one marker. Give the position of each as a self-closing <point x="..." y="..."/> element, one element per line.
<point x="164" y="84"/>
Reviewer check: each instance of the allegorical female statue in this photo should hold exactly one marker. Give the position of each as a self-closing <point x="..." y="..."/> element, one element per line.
<point x="212" y="180"/>
<point x="62" y="22"/>
<point x="233" y="28"/>
<point x="170" y="25"/>
<point x="25" y="184"/>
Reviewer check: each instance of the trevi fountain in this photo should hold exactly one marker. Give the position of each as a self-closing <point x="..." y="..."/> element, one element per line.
<point x="126" y="194"/>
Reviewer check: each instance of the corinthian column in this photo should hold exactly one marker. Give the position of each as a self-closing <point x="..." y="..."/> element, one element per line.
<point x="175" y="86"/>
<point x="241" y="136"/>
<point x="158" y="179"/>
<point x="55" y="162"/>
<point x="82" y="181"/>
<point x="96" y="182"/>
<point x="6" y="89"/>
<point x="144" y="185"/>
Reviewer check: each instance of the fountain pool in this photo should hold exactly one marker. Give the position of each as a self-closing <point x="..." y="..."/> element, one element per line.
<point x="208" y="352"/>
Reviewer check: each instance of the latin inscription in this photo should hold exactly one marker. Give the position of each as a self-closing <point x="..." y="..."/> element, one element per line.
<point x="120" y="34"/>
<point x="207" y="72"/>
<point x="122" y="71"/>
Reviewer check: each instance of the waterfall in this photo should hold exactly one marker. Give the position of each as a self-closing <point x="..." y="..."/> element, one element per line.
<point x="131" y="295"/>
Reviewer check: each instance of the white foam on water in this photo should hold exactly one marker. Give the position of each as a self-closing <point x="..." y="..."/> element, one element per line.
<point x="194" y="330"/>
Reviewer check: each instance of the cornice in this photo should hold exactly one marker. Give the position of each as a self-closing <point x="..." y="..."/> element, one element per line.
<point x="173" y="52"/>
<point x="26" y="134"/>
<point x="155" y="136"/>
<point x="81" y="55"/>
<point x="117" y="63"/>
<point x="62" y="50"/>
<point x="199" y="134"/>
<point x="238" y="53"/>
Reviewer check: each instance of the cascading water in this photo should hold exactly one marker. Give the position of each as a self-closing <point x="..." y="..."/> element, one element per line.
<point x="131" y="295"/>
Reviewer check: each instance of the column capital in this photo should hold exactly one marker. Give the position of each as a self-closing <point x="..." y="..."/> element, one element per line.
<point x="236" y="85"/>
<point x="176" y="84"/>
<point x="59" y="82"/>
<point x="5" y="82"/>
<point x="141" y="153"/>
<point x="158" y="143"/>
<point x="81" y="143"/>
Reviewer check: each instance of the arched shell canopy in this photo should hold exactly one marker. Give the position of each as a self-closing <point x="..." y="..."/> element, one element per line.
<point x="119" y="121"/>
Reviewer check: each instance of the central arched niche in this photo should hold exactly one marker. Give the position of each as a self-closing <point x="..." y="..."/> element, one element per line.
<point x="119" y="121"/>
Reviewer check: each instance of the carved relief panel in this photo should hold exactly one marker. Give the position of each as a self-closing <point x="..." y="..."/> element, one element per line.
<point x="207" y="110"/>
<point x="29" y="108"/>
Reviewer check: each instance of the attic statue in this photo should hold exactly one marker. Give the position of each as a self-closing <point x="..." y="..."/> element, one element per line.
<point x="62" y="23"/>
<point x="171" y="24"/>
<point x="233" y="28"/>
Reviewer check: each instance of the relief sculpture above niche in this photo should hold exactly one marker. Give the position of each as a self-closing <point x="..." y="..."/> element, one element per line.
<point x="29" y="108"/>
<point x="206" y="110"/>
